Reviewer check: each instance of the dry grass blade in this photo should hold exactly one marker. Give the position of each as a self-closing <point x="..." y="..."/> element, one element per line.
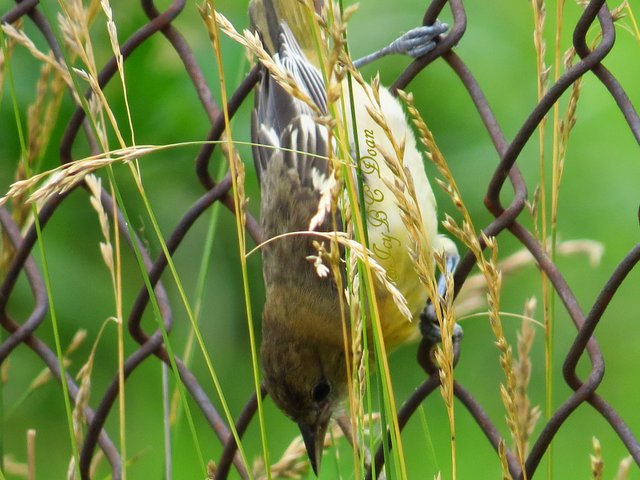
<point x="527" y="416"/>
<point x="21" y="38"/>
<point x="95" y="463"/>
<point x="64" y="177"/>
<point x="504" y="462"/>
<point x="343" y="255"/>
<point x="106" y="249"/>
<point x="488" y="267"/>
<point x="212" y="470"/>
<point x="422" y="250"/>
<point x="444" y="354"/>
<point x="251" y="41"/>
<point x="113" y="36"/>
<point x="84" y="391"/>
<point x="13" y="467"/>
<point x="539" y="17"/>
<point x="359" y="359"/>
<point x="41" y="119"/>
<point x="624" y="468"/>
<point x="240" y="191"/>
<point x="83" y="395"/>
<point x="74" y="24"/>
<point x="564" y="127"/>
<point x="42" y="114"/>
<point x="45" y="375"/>
<point x="634" y="24"/>
<point x="115" y="47"/>
<point x="31" y="453"/>
<point x="294" y="463"/>
<point x="597" y="463"/>
<point x="360" y="252"/>
<point x="98" y="106"/>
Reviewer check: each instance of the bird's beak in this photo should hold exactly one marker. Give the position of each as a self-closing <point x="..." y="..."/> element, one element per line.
<point x="313" y="436"/>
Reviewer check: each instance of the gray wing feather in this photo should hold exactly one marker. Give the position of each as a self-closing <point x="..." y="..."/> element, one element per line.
<point x="307" y="76"/>
<point x="290" y="153"/>
<point x="284" y="125"/>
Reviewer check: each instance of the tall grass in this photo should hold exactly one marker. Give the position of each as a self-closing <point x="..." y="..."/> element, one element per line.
<point x="82" y="29"/>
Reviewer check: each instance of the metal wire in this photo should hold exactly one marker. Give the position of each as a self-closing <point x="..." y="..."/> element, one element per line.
<point x="596" y="16"/>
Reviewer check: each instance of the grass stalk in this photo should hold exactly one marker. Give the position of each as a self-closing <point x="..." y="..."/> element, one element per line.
<point x="207" y="250"/>
<point x="336" y="30"/>
<point x="31" y="454"/>
<point x="388" y="400"/>
<point x="117" y="283"/>
<point x="237" y="175"/>
<point x="43" y="258"/>
<point x="358" y="320"/>
<point x="634" y="23"/>
<point x="159" y="319"/>
<point x="86" y="54"/>
<point x="539" y="15"/>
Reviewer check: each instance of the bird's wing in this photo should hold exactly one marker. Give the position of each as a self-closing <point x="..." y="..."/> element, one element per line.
<point x="293" y="60"/>
<point x="282" y="124"/>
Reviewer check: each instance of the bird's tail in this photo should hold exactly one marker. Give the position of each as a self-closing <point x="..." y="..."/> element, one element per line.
<point x="267" y="15"/>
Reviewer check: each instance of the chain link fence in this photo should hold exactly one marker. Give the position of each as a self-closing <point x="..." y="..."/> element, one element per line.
<point x="506" y="177"/>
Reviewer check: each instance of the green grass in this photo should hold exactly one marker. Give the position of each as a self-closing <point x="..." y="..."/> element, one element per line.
<point x="210" y="281"/>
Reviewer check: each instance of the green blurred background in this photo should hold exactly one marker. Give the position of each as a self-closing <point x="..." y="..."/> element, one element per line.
<point x="599" y="201"/>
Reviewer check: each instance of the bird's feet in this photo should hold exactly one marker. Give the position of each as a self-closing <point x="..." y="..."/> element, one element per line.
<point x="418" y="41"/>
<point x="415" y="43"/>
<point x="429" y="325"/>
<point x="430" y="328"/>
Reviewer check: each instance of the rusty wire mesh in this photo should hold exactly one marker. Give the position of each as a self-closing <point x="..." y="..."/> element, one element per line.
<point x="507" y="219"/>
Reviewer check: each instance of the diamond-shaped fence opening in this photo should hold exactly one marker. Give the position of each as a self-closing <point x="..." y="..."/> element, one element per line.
<point x="578" y="370"/>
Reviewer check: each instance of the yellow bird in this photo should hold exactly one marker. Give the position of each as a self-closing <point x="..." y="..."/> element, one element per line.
<point x="302" y="351"/>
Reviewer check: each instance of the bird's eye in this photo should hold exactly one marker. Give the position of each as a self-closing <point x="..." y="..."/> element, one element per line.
<point x="321" y="391"/>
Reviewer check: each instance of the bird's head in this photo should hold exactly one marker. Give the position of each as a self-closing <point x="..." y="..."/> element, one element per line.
<point x="306" y="377"/>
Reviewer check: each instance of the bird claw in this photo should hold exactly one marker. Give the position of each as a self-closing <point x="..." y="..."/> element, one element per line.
<point x="430" y="328"/>
<point x="415" y="43"/>
<point x="429" y="325"/>
<point x="420" y="40"/>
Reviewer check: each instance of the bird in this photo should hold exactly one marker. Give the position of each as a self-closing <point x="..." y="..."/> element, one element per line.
<point x="303" y="350"/>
